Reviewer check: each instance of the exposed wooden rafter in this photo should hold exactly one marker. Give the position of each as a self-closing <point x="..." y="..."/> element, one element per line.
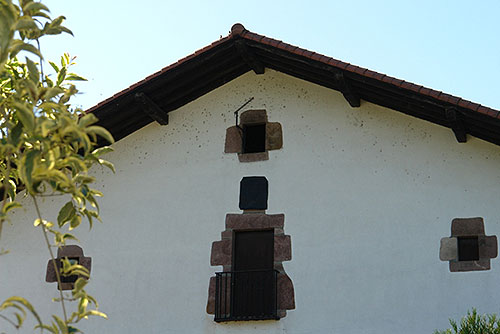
<point x="346" y="90"/>
<point x="249" y="57"/>
<point x="152" y="109"/>
<point x="456" y="124"/>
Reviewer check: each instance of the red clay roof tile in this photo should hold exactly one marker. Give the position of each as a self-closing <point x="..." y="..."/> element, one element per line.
<point x="360" y="70"/>
<point x="333" y="62"/>
<point x="317" y="56"/>
<point x="474" y="106"/>
<point x="434" y="93"/>
<point x="488" y="111"/>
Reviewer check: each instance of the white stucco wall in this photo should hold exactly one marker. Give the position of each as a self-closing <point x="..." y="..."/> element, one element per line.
<point x="367" y="194"/>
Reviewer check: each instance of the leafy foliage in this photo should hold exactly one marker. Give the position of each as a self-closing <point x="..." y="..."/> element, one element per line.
<point x="46" y="148"/>
<point x="473" y="323"/>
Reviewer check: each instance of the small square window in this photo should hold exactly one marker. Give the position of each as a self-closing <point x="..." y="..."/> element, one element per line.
<point x="468" y="249"/>
<point x="254" y="138"/>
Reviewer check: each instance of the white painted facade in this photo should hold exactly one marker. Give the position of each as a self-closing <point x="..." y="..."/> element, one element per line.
<point x="367" y="195"/>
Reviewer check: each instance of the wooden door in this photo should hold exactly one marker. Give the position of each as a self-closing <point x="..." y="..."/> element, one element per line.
<point x="253" y="278"/>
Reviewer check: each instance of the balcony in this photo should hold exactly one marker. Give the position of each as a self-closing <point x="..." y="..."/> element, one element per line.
<point x="246" y="295"/>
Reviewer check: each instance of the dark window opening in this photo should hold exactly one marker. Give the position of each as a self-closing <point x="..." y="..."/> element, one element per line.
<point x="468" y="249"/>
<point x="69" y="278"/>
<point x="254" y="138"/>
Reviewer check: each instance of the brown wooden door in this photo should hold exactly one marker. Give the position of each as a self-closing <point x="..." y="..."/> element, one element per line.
<point x="253" y="278"/>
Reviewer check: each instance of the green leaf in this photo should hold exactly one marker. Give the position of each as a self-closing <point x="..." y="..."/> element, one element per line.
<point x="34" y="75"/>
<point x="74" y="77"/>
<point x="80" y="284"/>
<point x="25" y="115"/>
<point x="15" y="133"/>
<point x="96" y="313"/>
<point x="10" y="206"/>
<point x="61" y="76"/>
<point x="61" y="324"/>
<point x="102" y="150"/>
<point x="66" y="213"/>
<point x="27" y="168"/>
<point x="108" y="164"/>
<point x="18" y="46"/>
<point x="26" y="23"/>
<point x="66" y="30"/>
<point x="22" y="301"/>
<point x="75" y="222"/>
<point x="87" y="120"/>
<point x="11" y="190"/>
<point x="101" y="132"/>
<point x="52" y="91"/>
<point x="54" y="66"/>
<point x="35" y="7"/>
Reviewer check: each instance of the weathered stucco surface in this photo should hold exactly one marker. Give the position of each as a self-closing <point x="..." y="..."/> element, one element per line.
<point x="367" y="193"/>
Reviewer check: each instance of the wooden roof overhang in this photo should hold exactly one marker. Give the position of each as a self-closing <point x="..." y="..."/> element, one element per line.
<point x="226" y="59"/>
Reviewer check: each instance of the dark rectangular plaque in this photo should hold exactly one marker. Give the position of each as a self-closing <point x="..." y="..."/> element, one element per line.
<point x="253" y="193"/>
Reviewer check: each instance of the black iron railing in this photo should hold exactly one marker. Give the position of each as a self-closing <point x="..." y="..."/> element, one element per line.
<point x="246" y="295"/>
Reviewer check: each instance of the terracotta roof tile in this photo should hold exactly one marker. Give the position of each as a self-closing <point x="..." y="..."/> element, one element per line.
<point x="280" y="45"/>
<point x="317" y="56"/>
<point x="474" y="106"/>
<point x="351" y="68"/>
<point x="343" y="65"/>
<point x="387" y="79"/>
<point x="333" y="62"/>
<point x="424" y="90"/>
<point x="324" y="59"/>
<point x="434" y="93"/>
<point x="406" y="85"/>
<point x="454" y="99"/>
<point x="370" y="74"/>
<point x="306" y="53"/>
<point x="444" y="97"/>
<point x="266" y="40"/>
<point x="360" y="70"/>
<point x="379" y="76"/>
<point x="488" y="111"/>
<point x="274" y="42"/>
<point x="415" y="88"/>
<point x="288" y="47"/>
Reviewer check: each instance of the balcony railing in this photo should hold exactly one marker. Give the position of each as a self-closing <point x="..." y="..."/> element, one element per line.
<point x="246" y="295"/>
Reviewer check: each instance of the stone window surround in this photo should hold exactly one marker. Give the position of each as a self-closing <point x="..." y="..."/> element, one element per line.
<point x="234" y="136"/>
<point x="468" y="227"/>
<point x="69" y="251"/>
<point x="255" y="221"/>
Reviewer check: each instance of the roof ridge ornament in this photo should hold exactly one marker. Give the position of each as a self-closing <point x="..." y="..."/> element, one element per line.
<point x="237" y="29"/>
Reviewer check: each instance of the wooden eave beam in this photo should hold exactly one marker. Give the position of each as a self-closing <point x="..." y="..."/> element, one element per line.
<point x="151" y="108"/>
<point x="456" y="124"/>
<point x="346" y="89"/>
<point x="339" y="81"/>
<point x="249" y="57"/>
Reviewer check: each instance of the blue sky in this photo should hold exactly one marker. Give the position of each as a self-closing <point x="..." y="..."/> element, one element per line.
<point x="453" y="46"/>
